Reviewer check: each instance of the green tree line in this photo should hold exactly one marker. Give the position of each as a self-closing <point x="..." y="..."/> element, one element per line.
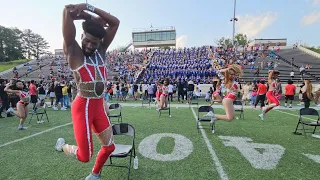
<point x="315" y="49"/>
<point x="239" y="40"/>
<point x="20" y="44"/>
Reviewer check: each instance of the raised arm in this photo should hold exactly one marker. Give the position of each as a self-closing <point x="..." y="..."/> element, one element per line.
<point x="113" y="25"/>
<point x="68" y="29"/>
<point x="7" y="89"/>
<point x="224" y="70"/>
<point x="104" y="18"/>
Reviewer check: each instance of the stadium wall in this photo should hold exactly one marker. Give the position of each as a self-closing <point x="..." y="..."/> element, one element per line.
<point x="205" y="88"/>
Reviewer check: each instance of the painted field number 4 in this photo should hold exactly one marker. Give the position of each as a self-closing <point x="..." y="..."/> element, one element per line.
<point x="260" y="156"/>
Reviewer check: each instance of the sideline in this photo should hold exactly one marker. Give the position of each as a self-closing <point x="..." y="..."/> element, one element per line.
<point x="33" y="135"/>
<point x="294" y="115"/>
<point x="214" y="156"/>
<point x="36" y="134"/>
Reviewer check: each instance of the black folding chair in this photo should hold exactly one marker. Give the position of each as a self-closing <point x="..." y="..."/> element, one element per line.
<point x="123" y="150"/>
<point x="303" y="122"/>
<point x="116" y="115"/>
<point x="194" y="101"/>
<point x="204" y="118"/>
<point x="238" y="107"/>
<point x="166" y="109"/>
<point x="37" y="111"/>
<point x="145" y="100"/>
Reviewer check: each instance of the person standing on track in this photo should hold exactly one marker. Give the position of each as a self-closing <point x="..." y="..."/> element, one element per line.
<point x="261" y="94"/>
<point x="290" y="92"/>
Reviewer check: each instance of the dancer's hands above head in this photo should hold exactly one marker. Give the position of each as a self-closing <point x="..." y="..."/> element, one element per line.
<point x="77" y="8"/>
<point x="99" y="20"/>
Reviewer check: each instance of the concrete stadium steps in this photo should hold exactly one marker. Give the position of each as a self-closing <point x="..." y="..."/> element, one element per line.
<point x="301" y="58"/>
<point x="284" y="68"/>
<point x="21" y="71"/>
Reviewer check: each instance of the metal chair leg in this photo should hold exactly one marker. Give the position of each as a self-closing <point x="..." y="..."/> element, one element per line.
<point x="305" y="135"/>
<point x="30" y="118"/>
<point x="297" y="127"/>
<point x="130" y="164"/>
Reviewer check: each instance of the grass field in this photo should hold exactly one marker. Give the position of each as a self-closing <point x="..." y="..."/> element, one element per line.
<point x="8" y="65"/>
<point x="207" y="158"/>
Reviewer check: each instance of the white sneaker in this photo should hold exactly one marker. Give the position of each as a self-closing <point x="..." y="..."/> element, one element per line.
<point x="93" y="177"/>
<point x="261" y="116"/>
<point x="40" y="122"/>
<point x="55" y="108"/>
<point x="10" y="110"/>
<point x="213" y="118"/>
<point x="210" y="114"/>
<point x="318" y="105"/>
<point x="20" y="127"/>
<point x="59" y="144"/>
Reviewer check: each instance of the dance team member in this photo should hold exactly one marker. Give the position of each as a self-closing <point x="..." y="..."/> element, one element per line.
<point x="164" y="95"/>
<point x="271" y="94"/>
<point x="90" y="74"/>
<point x="231" y="86"/>
<point x="20" y="89"/>
<point x="216" y="94"/>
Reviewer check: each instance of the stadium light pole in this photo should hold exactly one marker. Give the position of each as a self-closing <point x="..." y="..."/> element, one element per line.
<point x="234" y="19"/>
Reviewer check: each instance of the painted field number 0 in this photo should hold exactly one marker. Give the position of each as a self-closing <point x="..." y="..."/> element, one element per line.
<point x="183" y="147"/>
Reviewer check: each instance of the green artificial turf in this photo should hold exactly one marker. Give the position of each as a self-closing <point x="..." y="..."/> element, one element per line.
<point x="10" y="64"/>
<point x="35" y="157"/>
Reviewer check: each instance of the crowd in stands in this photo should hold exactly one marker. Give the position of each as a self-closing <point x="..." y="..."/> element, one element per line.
<point x="188" y="64"/>
<point x="194" y="63"/>
<point x="127" y="64"/>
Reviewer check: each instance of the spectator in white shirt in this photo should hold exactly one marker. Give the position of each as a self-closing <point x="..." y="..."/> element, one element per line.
<point x="150" y="91"/>
<point x="292" y="75"/>
<point x="302" y="71"/>
<point x="170" y="91"/>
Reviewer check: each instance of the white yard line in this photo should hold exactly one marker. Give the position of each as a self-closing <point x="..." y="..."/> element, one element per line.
<point x="36" y="134"/>
<point x="33" y="135"/>
<point x="294" y="115"/>
<point x="316" y="136"/>
<point x="214" y="156"/>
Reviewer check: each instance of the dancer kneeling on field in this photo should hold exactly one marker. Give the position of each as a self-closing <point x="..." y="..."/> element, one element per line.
<point x="20" y="89"/>
<point x="89" y="69"/>
<point x="231" y="87"/>
<point x="164" y="95"/>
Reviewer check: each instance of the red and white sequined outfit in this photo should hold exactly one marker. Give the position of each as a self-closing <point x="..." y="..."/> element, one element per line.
<point x="88" y="111"/>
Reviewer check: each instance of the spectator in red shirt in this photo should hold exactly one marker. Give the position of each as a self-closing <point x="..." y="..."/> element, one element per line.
<point x="290" y="92"/>
<point x="33" y="93"/>
<point x="262" y="90"/>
